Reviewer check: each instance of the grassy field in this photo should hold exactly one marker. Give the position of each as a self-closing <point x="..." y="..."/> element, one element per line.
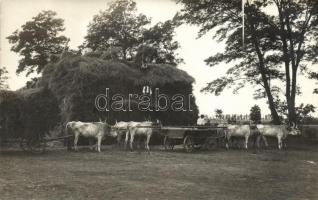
<point x="116" y="174"/>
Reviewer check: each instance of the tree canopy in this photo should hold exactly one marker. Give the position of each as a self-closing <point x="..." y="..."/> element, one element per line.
<point x="273" y="48"/>
<point x="126" y="34"/>
<point x="37" y="40"/>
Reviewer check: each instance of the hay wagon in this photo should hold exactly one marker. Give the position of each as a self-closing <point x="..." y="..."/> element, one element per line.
<point x="193" y="137"/>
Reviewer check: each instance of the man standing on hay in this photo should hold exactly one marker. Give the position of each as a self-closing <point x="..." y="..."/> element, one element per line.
<point x="201" y="121"/>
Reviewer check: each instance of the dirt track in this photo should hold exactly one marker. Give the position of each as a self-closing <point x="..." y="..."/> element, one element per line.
<point x="115" y="174"/>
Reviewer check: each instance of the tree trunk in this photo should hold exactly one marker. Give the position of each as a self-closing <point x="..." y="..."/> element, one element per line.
<point x="271" y="104"/>
<point x="272" y="107"/>
<point x="291" y="106"/>
<point x="289" y="59"/>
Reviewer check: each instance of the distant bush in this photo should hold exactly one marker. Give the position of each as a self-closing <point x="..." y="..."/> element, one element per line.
<point x="255" y="114"/>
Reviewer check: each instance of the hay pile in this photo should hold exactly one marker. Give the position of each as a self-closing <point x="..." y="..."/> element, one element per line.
<point x="77" y="80"/>
<point x="40" y="111"/>
<point x="10" y="119"/>
<point x="27" y="112"/>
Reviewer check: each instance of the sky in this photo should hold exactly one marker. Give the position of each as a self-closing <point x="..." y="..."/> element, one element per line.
<point x="78" y="13"/>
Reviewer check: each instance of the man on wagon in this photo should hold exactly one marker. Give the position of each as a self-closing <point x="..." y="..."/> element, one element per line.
<point x="201" y="121"/>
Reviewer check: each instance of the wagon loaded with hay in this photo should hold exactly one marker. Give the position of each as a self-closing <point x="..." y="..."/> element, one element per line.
<point x="68" y="89"/>
<point x="76" y="81"/>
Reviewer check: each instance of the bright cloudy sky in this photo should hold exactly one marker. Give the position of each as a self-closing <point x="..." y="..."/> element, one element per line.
<point x="78" y="13"/>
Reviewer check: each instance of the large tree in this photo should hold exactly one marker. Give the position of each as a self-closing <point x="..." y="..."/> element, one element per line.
<point x="120" y="29"/>
<point x="158" y="45"/>
<point x="266" y="47"/>
<point x="37" y="40"/>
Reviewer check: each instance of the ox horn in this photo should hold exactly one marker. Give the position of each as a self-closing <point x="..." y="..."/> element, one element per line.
<point x="293" y="125"/>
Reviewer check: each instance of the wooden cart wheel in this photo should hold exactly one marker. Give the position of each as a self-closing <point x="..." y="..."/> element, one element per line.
<point x="168" y="143"/>
<point x="37" y="145"/>
<point x="188" y="143"/>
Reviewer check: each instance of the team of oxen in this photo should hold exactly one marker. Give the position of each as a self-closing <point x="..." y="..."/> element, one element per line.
<point x="129" y="130"/>
<point x="260" y="132"/>
<point x="99" y="130"/>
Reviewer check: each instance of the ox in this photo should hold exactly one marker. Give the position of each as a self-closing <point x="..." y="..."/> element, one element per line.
<point x="139" y="129"/>
<point x="89" y="129"/>
<point x="279" y="131"/>
<point x="121" y="129"/>
<point x="237" y="131"/>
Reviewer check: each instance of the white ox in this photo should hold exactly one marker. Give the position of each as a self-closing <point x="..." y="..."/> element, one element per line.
<point x="121" y="129"/>
<point x="237" y="131"/>
<point x="89" y="129"/>
<point x="140" y="129"/>
<point x="279" y="131"/>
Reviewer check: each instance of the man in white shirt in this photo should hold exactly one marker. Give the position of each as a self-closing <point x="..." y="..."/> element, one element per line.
<point x="201" y="120"/>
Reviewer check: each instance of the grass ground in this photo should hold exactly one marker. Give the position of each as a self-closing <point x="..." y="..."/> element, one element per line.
<point x="117" y="174"/>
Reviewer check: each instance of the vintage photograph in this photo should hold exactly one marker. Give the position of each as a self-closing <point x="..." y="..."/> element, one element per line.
<point x="165" y="99"/>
